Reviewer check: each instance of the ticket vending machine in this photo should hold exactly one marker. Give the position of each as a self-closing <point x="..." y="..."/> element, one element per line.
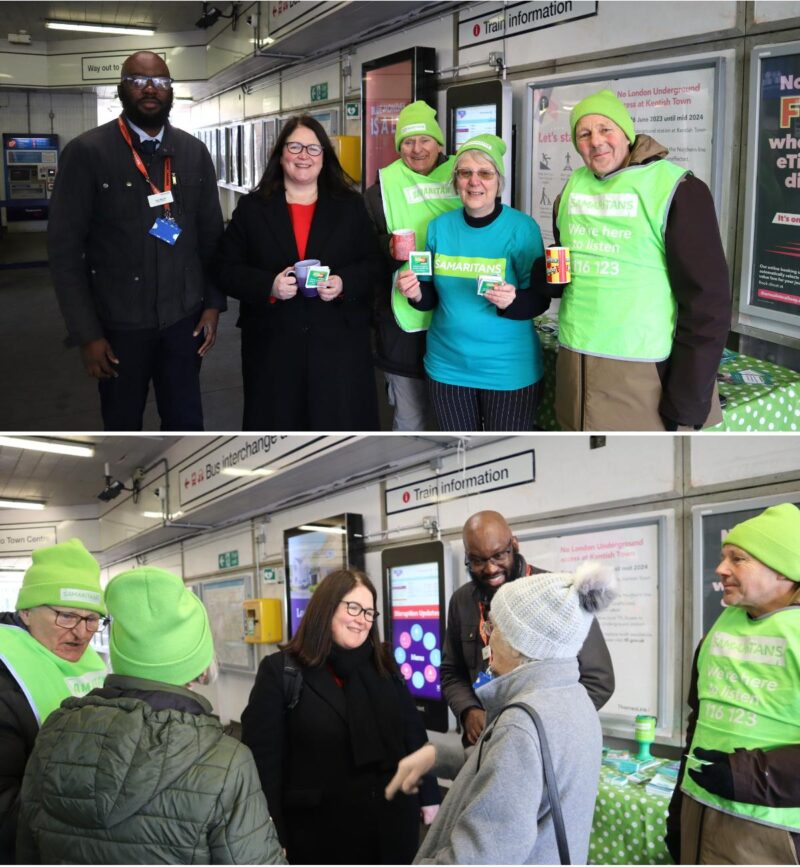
<point x="30" y="163"/>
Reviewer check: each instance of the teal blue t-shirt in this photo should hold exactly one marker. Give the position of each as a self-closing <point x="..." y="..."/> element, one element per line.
<point x="469" y="344"/>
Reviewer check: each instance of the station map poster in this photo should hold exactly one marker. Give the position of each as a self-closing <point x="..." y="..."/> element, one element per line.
<point x="674" y="106"/>
<point x="223" y="599"/>
<point x="631" y="624"/>
<point x="775" y="266"/>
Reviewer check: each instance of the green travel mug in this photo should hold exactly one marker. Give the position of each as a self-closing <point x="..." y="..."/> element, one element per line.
<point x="645" y="733"/>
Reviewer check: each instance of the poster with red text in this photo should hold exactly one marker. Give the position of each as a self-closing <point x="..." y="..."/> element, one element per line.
<point x="775" y="270"/>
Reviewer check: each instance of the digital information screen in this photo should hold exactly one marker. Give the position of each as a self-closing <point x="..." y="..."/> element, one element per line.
<point x="472" y="120"/>
<point x="311" y="556"/>
<point x="312" y="551"/>
<point x="416" y="631"/>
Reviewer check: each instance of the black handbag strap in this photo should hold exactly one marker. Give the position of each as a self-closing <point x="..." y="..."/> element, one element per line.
<point x="549" y="775"/>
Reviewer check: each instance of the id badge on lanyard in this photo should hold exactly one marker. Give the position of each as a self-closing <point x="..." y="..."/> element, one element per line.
<point x="165" y="228"/>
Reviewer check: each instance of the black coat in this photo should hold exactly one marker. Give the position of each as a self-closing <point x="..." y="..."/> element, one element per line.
<point x="18" y="730"/>
<point x="306" y="363"/>
<point x="396" y="351"/>
<point x="326" y="810"/>
<point x="107" y="270"/>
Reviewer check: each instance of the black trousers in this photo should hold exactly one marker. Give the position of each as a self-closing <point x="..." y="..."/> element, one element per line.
<point x="458" y="408"/>
<point x="168" y="358"/>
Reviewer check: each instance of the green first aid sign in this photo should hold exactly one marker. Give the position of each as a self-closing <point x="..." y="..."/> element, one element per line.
<point x="351" y="110"/>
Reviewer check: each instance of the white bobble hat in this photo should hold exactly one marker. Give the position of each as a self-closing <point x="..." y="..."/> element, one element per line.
<point x="548" y="616"/>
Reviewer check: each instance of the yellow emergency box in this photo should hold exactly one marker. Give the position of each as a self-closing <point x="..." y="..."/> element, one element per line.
<point x="348" y="150"/>
<point x="262" y="621"/>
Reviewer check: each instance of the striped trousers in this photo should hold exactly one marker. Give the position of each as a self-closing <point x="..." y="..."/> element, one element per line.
<point x="458" y="408"/>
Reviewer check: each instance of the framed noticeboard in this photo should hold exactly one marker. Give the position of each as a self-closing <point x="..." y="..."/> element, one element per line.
<point x="223" y="598"/>
<point x="639" y="626"/>
<point x="710" y="524"/>
<point x="312" y="551"/>
<point x="770" y="284"/>
<point x="680" y="103"/>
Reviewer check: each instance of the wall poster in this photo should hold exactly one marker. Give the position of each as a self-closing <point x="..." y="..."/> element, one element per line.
<point x="674" y="105"/>
<point x="223" y="600"/>
<point x="637" y="626"/>
<point x="771" y="266"/>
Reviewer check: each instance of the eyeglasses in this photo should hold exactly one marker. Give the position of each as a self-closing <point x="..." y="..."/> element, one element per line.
<point x="159" y="82"/>
<point x="478" y="563"/>
<point x="354" y="610"/>
<point x="296" y="147"/>
<point x="483" y="174"/>
<point x="69" y="620"/>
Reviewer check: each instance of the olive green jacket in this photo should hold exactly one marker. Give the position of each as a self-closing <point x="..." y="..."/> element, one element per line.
<point x="140" y="772"/>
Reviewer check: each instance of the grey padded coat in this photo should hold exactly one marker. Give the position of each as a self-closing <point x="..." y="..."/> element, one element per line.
<point x="140" y="772"/>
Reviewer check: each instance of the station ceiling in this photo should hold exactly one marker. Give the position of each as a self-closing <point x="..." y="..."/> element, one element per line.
<point x="165" y="17"/>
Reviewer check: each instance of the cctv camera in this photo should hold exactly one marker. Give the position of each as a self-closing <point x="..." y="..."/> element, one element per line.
<point x="209" y="17"/>
<point x="111" y="491"/>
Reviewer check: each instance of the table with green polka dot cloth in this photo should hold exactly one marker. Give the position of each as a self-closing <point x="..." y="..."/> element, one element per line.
<point x="771" y="405"/>
<point x="629" y="824"/>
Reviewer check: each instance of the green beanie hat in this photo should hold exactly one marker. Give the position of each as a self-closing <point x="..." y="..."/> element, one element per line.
<point x="489" y="145"/>
<point x="159" y="628"/>
<point x="64" y="574"/>
<point x="771" y="537"/>
<point x="607" y="104"/>
<point x="417" y="119"/>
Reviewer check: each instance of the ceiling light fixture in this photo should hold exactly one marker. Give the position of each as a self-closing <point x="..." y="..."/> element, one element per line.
<point x="56" y="447"/>
<point x="98" y="28"/>
<point x="236" y="471"/>
<point x="35" y="505"/>
<point x="316" y="528"/>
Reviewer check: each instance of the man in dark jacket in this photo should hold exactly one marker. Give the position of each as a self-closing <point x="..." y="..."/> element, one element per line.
<point x="492" y="559"/>
<point x="44" y="658"/>
<point x="134" y="221"/>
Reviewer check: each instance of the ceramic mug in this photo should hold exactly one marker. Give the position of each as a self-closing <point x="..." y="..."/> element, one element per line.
<point x="300" y="271"/>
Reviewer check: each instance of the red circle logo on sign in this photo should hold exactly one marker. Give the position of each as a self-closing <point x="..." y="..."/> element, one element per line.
<point x="476" y="30"/>
<point x="406" y="496"/>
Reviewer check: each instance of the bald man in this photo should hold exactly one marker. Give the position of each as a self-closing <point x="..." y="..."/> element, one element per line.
<point x="134" y="221"/>
<point x="491" y="555"/>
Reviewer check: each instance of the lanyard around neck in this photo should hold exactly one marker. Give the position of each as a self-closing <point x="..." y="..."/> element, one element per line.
<point x="123" y="128"/>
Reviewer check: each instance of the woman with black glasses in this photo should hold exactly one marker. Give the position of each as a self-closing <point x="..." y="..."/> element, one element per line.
<point x="306" y="356"/>
<point x="483" y="359"/>
<point x="324" y="762"/>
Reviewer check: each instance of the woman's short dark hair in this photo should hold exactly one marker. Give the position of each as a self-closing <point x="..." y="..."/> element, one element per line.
<point x="312" y="643"/>
<point x="332" y="179"/>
